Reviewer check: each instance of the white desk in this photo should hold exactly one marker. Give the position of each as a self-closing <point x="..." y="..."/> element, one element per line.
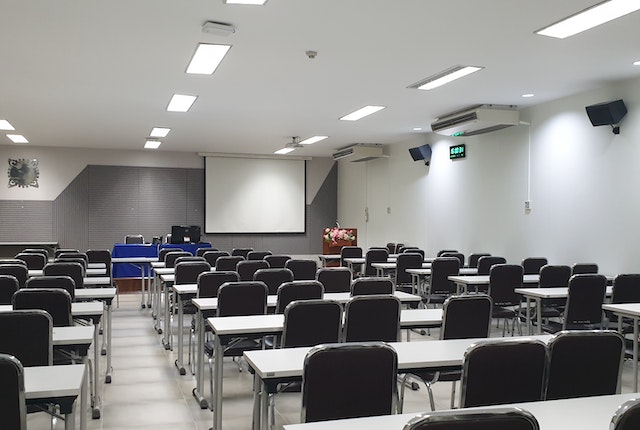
<point x="142" y="263"/>
<point x="584" y="413"/>
<point x="383" y="268"/>
<point x="329" y="258"/>
<point x="417" y="274"/>
<point x="91" y="271"/>
<point x="628" y="310"/>
<point x="273" y="365"/>
<point x="463" y="281"/>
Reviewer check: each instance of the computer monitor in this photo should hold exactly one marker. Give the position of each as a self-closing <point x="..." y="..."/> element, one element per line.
<point x="185" y="234"/>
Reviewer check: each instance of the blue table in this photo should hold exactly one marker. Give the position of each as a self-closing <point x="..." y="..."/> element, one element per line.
<point x="127" y="270"/>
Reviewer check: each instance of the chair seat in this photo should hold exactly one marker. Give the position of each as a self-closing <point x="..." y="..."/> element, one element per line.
<point x="555" y="327"/>
<point x="234" y="349"/>
<point x="503" y="312"/>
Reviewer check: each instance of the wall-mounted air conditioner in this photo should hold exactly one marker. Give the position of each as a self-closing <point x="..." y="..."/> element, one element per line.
<point x="476" y="120"/>
<point x="359" y="152"/>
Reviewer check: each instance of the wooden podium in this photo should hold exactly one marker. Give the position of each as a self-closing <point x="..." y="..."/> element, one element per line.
<point x="335" y="248"/>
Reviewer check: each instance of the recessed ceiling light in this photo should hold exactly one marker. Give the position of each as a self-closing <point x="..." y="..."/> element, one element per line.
<point x="284" y="150"/>
<point x="252" y="2"/>
<point x="159" y="132"/>
<point x="313" y="139"/>
<point x="17" y="138"/>
<point x="445" y="77"/>
<point x="181" y="103"/>
<point x="4" y="125"/>
<point x="636" y="63"/>
<point x="528" y="95"/>
<point x="152" y="144"/>
<point x="361" y="113"/>
<point x="417" y="128"/>
<point x="589" y="18"/>
<point x="207" y="58"/>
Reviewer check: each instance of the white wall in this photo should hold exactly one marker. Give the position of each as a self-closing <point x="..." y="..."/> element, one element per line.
<point x="585" y="202"/>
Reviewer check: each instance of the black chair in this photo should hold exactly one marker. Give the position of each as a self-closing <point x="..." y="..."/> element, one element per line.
<point x="277" y="261"/>
<point x="189" y="258"/>
<point x="100" y="256"/>
<point x="34" y="261"/>
<point x="243" y="252"/>
<point x="626" y="289"/>
<point x="446" y="251"/>
<point x="80" y="257"/>
<point x="627" y="417"/>
<point x="257" y="255"/>
<point x="171" y="257"/>
<point x="8" y="286"/>
<point x="59" y="251"/>
<point x="584" y="363"/>
<point x="273" y="278"/>
<point x="212" y="256"/>
<point x="134" y="239"/>
<point x="458" y="255"/>
<point x="372" y="285"/>
<point x="392" y="247"/>
<point x="66" y="268"/>
<point x="503" y="371"/>
<point x="17" y="261"/>
<point x="406" y="260"/>
<point x="187" y="272"/>
<point x="584" y="304"/>
<point x="27" y="335"/>
<point x="365" y="374"/>
<point x="162" y="252"/>
<point x="482" y="419"/>
<point x="584" y="268"/>
<point x="463" y="317"/>
<point x="13" y="407"/>
<point x="55" y="301"/>
<point x="503" y="280"/>
<point x="303" y="270"/>
<point x="439" y="287"/>
<point x="374" y="255"/>
<point x="372" y="318"/>
<point x="201" y="250"/>
<point x="532" y="265"/>
<point x="228" y="263"/>
<point x="247" y="268"/>
<point x="485" y="263"/>
<point x="37" y="251"/>
<point x="475" y="257"/>
<point x="18" y="271"/>
<point x="297" y="290"/>
<point x="210" y="282"/>
<point x="349" y="252"/>
<point x="335" y="279"/>
<point x="64" y="282"/>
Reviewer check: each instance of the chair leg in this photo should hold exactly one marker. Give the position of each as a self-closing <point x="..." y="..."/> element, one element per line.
<point x="211" y="382"/>
<point x="453" y="394"/>
<point x="401" y="394"/>
<point x="431" y="401"/>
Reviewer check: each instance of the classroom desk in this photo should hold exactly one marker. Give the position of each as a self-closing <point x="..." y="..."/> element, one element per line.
<point x="463" y="281"/>
<point x="91" y="271"/>
<point x="417" y="274"/>
<point x="144" y="264"/>
<point x="275" y="365"/>
<point x="632" y="311"/>
<point x="584" y="413"/>
<point x="539" y="294"/>
<point x="383" y="268"/>
<point x="62" y="384"/>
<point x="326" y="259"/>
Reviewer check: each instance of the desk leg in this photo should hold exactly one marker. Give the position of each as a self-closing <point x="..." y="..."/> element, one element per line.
<point x="217" y="383"/>
<point x="539" y="315"/>
<point x="197" y="392"/>
<point x="95" y="401"/>
<point x="529" y="325"/>
<point x="83" y="395"/>
<point x="264" y="407"/>
<point x="180" y="358"/>
<point x="166" y="341"/>
<point x="155" y="313"/>
<point x="148" y="280"/>
<point x="635" y="352"/>
<point x="107" y="378"/>
<point x="255" y="425"/>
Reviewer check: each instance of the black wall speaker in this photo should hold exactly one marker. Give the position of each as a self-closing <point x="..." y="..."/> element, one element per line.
<point x="421" y="153"/>
<point x="609" y="113"/>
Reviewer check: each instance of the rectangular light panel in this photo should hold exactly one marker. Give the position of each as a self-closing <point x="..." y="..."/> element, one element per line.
<point x="159" y="132"/>
<point x="17" y="138"/>
<point x="206" y="59"/>
<point x="181" y="103"/>
<point x="251" y="2"/>
<point x="361" y="113"/>
<point x="284" y="150"/>
<point x="152" y="144"/>
<point x="313" y="139"/>
<point x="445" y="77"/>
<point x="4" y="125"/>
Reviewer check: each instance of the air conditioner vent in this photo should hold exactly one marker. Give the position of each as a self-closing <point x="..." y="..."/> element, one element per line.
<point x="476" y="120"/>
<point x="359" y="153"/>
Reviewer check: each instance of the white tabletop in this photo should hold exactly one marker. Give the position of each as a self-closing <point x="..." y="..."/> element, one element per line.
<point x="425" y="271"/>
<point x="549" y="293"/>
<point x="97" y="280"/>
<point x="74" y="335"/>
<point x="624" y="309"/>
<point x="53" y="381"/>
<point x="484" y="279"/>
<point x="78" y="309"/>
<point x="157" y="264"/>
<point x="134" y="260"/>
<point x="584" y="413"/>
<point x="95" y="293"/>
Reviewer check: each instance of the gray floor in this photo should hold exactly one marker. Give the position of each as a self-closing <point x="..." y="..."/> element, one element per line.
<point x="148" y="392"/>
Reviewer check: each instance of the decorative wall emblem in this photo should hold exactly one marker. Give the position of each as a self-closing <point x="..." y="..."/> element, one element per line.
<point x="23" y="173"/>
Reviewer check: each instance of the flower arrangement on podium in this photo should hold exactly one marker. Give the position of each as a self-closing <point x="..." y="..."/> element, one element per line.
<point x="335" y="235"/>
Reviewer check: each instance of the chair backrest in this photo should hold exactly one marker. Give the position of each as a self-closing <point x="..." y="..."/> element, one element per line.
<point x="349" y="252"/>
<point x="532" y="265"/>
<point x="228" y="263"/>
<point x="187" y="272"/>
<point x="372" y="318"/>
<point x="335" y="279"/>
<point x="303" y="270"/>
<point x="584" y="301"/>
<point x="458" y="255"/>
<point x="627" y="417"/>
<point x="59" y="251"/>
<point x="277" y="261"/>
<point x="73" y="256"/>
<point x="72" y="269"/>
<point x="209" y="282"/>
<point x="27" y="335"/>
<point x="445" y="251"/>
<point x="374" y="255"/>
<point x="584" y="363"/>
<point x="503" y="371"/>
<point x="466" y="316"/>
<point x="13" y="407"/>
<point x="474" y="257"/>
<point x="36" y="251"/>
<point x="311" y="322"/>
<point x="257" y="255"/>
<point x="162" y="252"/>
<point x="626" y="289"/>
<point x="34" y="261"/>
<point x="503" y="280"/>
<point x="441" y="269"/>
<point x="482" y="419"/>
<point x="485" y="263"/>
<point x="171" y="257"/>
<point x="247" y="268"/>
<point x="19" y="271"/>
<point x="212" y="256"/>
<point x="392" y="247"/>
<point x="200" y="251"/>
<point x="297" y="290"/>
<point x="241" y="251"/>
<point x="407" y="260"/>
<point x="64" y="259"/>
<point x="582" y="268"/>
<point x="134" y="238"/>
<point x="372" y="285"/>
<point x="61" y="281"/>
<point x="242" y="298"/>
<point x="8" y="286"/>
<point x="189" y="258"/>
<point x="273" y="278"/>
<point x="100" y="256"/>
<point x="554" y="276"/>
<point x="55" y="301"/>
<point x="369" y="391"/>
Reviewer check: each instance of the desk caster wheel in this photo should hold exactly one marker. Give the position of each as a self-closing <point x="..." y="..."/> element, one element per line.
<point x="95" y="413"/>
<point x="103" y="351"/>
<point x="107" y="379"/>
<point x="415" y="386"/>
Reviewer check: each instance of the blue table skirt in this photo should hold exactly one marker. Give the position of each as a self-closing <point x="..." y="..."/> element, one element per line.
<point x="126" y="270"/>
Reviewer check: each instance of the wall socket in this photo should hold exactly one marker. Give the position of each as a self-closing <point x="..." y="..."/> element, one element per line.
<point x="527" y="205"/>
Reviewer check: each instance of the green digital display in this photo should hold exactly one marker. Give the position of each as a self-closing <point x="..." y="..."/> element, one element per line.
<point x="457" y="151"/>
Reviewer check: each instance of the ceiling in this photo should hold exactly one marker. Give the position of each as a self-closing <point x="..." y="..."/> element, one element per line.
<point x="99" y="74"/>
